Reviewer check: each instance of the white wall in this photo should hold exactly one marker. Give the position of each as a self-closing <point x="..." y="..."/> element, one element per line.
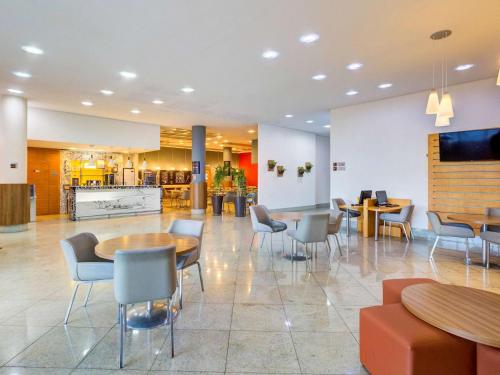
<point x="384" y="143"/>
<point x="322" y="169"/>
<point x="290" y="148"/>
<point x="12" y="140"/>
<point x="47" y="125"/>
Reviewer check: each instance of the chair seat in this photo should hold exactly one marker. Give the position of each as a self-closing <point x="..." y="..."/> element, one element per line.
<point x="490" y="236"/>
<point x="395" y="218"/>
<point x="94" y="271"/>
<point x="292" y="233"/>
<point x="395" y="342"/>
<point x="492" y="228"/>
<point x="461" y="230"/>
<point x="278" y="226"/>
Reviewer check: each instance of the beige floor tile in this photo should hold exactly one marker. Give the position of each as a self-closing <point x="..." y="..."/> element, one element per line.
<point x="314" y="318"/>
<point x="15" y="339"/>
<point x="204" y="316"/>
<point x="350" y="296"/>
<point x="257" y="294"/>
<point x="33" y="371"/>
<point x="252" y="317"/>
<point x="303" y="294"/>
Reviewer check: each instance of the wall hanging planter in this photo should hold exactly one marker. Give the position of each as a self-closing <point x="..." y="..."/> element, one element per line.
<point x="280" y="170"/>
<point x="308" y="166"/>
<point x="270" y="165"/>
<point x="300" y="171"/>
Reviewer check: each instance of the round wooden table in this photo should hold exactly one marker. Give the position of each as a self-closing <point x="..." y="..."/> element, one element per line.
<point x="153" y="314"/>
<point x="294" y="216"/>
<point x="484" y="221"/>
<point x="472" y="314"/>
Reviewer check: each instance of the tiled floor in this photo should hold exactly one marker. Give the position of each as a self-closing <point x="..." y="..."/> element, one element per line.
<point x="258" y="314"/>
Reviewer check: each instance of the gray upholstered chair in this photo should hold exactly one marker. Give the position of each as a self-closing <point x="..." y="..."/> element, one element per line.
<point x="334" y="225"/>
<point x="142" y="276"/>
<point x="262" y="223"/>
<point x="490" y="235"/>
<point x="460" y="230"/>
<point x="312" y="229"/>
<point x="349" y="214"/>
<point x="402" y="218"/>
<point x="188" y="228"/>
<point x="84" y="266"/>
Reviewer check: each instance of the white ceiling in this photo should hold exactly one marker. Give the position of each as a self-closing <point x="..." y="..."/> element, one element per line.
<point x="215" y="47"/>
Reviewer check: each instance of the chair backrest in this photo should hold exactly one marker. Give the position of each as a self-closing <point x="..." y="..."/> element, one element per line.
<point x="492" y="211"/>
<point x="406" y="212"/>
<point x="144" y="274"/>
<point x="336" y="203"/>
<point x="259" y="215"/>
<point x="313" y="228"/>
<point x="79" y="248"/>
<point x="188" y="228"/>
<point x="335" y="222"/>
<point x="436" y="222"/>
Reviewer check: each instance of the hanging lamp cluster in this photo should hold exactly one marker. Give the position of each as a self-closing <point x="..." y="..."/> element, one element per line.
<point x="443" y="109"/>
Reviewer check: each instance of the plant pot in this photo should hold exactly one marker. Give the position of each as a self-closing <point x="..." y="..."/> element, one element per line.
<point x="240" y="206"/>
<point x="270" y="165"/>
<point x="217" y="204"/>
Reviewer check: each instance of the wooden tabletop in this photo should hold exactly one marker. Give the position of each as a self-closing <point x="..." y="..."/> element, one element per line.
<point x="384" y="209"/>
<point x="288" y="216"/>
<point x="184" y="244"/>
<point x="475" y="219"/>
<point x="472" y="314"/>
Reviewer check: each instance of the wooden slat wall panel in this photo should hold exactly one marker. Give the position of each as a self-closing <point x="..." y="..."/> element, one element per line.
<point x="461" y="187"/>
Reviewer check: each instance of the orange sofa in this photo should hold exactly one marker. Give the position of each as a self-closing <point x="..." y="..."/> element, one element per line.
<point x="488" y="360"/>
<point x="391" y="289"/>
<point x="395" y="342"/>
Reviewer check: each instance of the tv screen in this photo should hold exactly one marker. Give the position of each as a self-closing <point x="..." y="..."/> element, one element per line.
<point x="472" y="145"/>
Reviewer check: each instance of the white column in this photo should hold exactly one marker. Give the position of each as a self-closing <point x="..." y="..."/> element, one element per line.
<point x="13" y="144"/>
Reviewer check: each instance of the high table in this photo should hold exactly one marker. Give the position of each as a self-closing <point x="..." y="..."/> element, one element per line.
<point x="484" y="221"/>
<point x="153" y="314"/>
<point x="465" y="312"/>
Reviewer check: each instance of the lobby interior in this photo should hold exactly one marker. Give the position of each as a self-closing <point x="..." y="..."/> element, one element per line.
<point x="324" y="176"/>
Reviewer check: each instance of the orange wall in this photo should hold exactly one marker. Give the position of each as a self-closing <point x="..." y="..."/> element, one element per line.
<point x="250" y="169"/>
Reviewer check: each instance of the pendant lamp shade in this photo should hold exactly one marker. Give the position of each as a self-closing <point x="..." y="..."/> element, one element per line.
<point x="144" y="164"/>
<point x="432" y="103"/>
<point x="111" y="162"/>
<point x="91" y="163"/>
<point x="446" y="106"/>
<point x="498" y="79"/>
<point x="442" y="121"/>
<point x="129" y="163"/>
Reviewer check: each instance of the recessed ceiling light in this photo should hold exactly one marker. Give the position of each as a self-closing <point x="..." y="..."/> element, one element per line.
<point x="32" y="49"/>
<point x="225" y="141"/>
<point x="107" y="92"/>
<point x="289" y="116"/>
<point x="351" y="92"/>
<point x="270" y="54"/>
<point x="319" y="77"/>
<point x="22" y="74"/>
<point x="15" y="91"/>
<point x="327" y="126"/>
<point x="310" y="121"/>
<point x="128" y="75"/>
<point x="354" y="66"/>
<point x="187" y="90"/>
<point x="251" y="131"/>
<point x="464" y="67"/>
<point x="249" y="141"/>
<point x="157" y="101"/>
<point x="219" y="136"/>
<point x="208" y="139"/>
<point x="385" y="85"/>
<point x="309" y="38"/>
<point x="87" y="103"/>
<point x="135" y="111"/>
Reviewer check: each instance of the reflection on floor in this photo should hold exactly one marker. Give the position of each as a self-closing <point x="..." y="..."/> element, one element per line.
<point x="258" y="314"/>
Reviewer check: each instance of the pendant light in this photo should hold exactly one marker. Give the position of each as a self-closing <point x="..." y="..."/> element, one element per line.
<point x="446" y="105"/>
<point x="433" y="99"/>
<point x="111" y="162"/>
<point x="91" y="163"/>
<point x="442" y="121"/>
<point x="129" y="163"/>
<point x="144" y="163"/>
<point x="498" y="79"/>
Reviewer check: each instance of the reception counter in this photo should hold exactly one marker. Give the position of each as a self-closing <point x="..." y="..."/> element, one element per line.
<point x="106" y="201"/>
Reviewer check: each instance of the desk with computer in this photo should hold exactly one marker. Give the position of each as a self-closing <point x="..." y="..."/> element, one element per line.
<point x="369" y="210"/>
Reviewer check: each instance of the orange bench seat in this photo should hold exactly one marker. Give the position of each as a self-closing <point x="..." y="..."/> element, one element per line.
<point x="392" y="288"/>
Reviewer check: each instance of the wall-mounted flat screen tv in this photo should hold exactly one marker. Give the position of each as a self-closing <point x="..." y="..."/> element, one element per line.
<point x="472" y="145"/>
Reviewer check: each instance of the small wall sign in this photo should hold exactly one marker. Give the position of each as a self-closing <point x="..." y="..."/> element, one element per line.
<point x="196" y="167"/>
<point x="338" y="166"/>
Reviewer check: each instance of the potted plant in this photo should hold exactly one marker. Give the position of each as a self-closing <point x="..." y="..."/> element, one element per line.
<point x="240" y="203"/>
<point x="281" y="170"/>
<point x="308" y="166"/>
<point x="217" y="197"/>
<point x="270" y="165"/>
<point x="300" y="171"/>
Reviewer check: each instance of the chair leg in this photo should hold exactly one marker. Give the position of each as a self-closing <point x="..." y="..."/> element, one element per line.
<point x="384" y="229"/>
<point x="71" y="301"/>
<point x="330" y="255"/>
<point x="88" y="295"/>
<point x="262" y="241"/>
<point x="434" y="247"/>
<point x="180" y="288"/>
<point x="171" y="316"/>
<point x="406" y="234"/>
<point x="390" y="229"/>
<point x="123" y="322"/>
<point x="467" y="252"/>
<point x="338" y="243"/>
<point x="488" y="249"/>
<point x="251" y="242"/>
<point x="283" y="243"/>
<point x="201" y="277"/>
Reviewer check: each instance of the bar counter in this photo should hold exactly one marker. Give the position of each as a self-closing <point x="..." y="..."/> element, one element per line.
<point x="87" y="202"/>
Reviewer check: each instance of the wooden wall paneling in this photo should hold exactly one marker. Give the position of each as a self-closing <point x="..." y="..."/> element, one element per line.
<point x="461" y="187"/>
<point x="14" y="204"/>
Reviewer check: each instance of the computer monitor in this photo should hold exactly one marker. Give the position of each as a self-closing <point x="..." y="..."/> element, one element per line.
<point x="381" y="197"/>
<point x="365" y="194"/>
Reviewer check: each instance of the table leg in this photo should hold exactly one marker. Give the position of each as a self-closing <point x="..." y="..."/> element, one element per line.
<point x="348" y="223"/>
<point x="376" y="225"/>
<point x="293" y="255"/>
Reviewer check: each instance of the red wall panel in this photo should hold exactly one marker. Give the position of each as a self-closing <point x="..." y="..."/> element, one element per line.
<point x="250" y="169"/>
